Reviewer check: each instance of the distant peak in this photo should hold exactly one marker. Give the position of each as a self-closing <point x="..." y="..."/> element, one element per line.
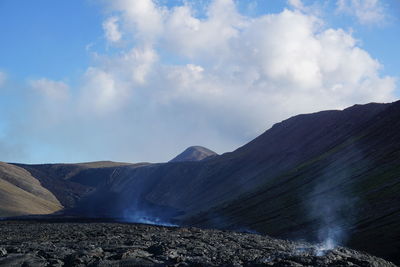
<point x="194" y="153"/>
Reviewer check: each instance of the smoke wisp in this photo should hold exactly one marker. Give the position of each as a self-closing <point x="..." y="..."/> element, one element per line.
<point x="137" y="216"/>
<point x="332" y="208"/>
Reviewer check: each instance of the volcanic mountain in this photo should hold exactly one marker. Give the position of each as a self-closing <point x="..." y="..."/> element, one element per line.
<point x="194" y="153"/>
<point x="329" y="176"/>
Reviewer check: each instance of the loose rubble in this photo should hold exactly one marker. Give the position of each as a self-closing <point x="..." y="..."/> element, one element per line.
<point x="117" y="244"/>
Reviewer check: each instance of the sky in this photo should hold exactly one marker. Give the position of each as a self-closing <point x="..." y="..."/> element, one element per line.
<point x="141" y="80"/>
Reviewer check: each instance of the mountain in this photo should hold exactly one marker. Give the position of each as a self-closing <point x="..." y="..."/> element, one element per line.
<point x="22" y="194"/>
<point x="330" y="176"/>
<point x="348" y="161"/>
<point x="194" y="153"/>
<point x="71" y="182"/>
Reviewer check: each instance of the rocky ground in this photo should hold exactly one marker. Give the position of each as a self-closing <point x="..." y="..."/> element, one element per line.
<point x="116" y="244"/>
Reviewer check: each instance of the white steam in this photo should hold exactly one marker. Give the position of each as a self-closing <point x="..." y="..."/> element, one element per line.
<point x="140" y="216"/>
<point x="332" y="208"/>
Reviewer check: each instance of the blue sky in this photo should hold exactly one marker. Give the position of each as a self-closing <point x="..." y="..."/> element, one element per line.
<point x="47" y="38"/>
<point x="154" y="70"/>
<point x="51" y="37"/>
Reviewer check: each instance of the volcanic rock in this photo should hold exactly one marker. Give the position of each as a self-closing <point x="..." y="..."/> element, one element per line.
<point x="116" y="244"/>
<point x="3" y="252"/>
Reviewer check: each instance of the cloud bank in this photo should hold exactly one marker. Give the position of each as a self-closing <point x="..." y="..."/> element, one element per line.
<point x="177" y="79"/>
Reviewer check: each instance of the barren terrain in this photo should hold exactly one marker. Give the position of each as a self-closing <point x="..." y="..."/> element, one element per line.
<point x="116" y="244"/>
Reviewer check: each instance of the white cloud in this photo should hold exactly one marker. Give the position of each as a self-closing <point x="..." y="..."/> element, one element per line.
<point x="298" y="4"/>
<point x="195" y="38"/>
<point x="108" y="87"/>
<point x="217" y="81"/>
<point x="141" y="18"/>
<point x="286" y="63"/>
<point x="316" y="8"/>
<point x="54" y="90"/>
<point x="50" y="103"/>
<point x="111" y="29"/>
<point x="142" y="59"/>
<point x="100" y="92"/>
<point x="366" y="11"/>
<point x="3" y="78"/>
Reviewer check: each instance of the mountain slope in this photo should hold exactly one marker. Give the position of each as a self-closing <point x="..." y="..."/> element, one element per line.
<point x="22" y="194"/>
<point x="70" y="182"/>
<point x="358" y="175"/>
<point x="224" y="178"/>
<point x="339" y="165"/>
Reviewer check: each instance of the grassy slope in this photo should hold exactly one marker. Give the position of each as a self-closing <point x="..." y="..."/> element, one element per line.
<point x="22" y="194"/>
<point x="70" y="182"/>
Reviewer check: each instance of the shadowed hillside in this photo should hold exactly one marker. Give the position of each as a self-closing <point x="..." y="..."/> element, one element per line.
<point x="70" y="182"/>
<point x="313" y="176"/>
<point x="358" y="175"/>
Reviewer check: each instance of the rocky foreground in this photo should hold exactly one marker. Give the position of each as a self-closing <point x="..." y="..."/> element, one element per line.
<point x="116" y="244"/>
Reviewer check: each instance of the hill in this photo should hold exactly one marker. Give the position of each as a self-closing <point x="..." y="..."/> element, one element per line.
<point x="331" y="176"/>
<point x="22" y="194"/>
<point x="70" y="182"/>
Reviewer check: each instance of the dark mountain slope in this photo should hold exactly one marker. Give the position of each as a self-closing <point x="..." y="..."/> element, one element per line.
<point x="360" y="175"/>
<point x="70" y="182"/>
<point x="281" y="148"/>
<point x="284" y="183"/>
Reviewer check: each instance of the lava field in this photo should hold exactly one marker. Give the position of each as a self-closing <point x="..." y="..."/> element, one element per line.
<point x="117" y="244"/>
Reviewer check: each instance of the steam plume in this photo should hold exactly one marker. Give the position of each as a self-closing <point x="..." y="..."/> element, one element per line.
<point x="332" y="207"/>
